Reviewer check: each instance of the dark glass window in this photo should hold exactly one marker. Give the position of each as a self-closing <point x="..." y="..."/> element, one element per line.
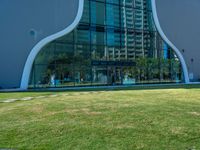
<point x="127" y="17"/>
<point x="99" y="75"/>
<point x="67" y="39"/>
<point x="82" y="35"/>
<point x="63" y="53"/>
<point x="86" y="17"/>
<point x="82" y="55"/>
<point x="113" y="37"/>
<point x="99" y="52"/>
<point x="46" y="56"/>
<point x="83" y="77"/>
<point x="128" y="3"/>
<point x="112" y="15"/>
<point x="113" y="1"/>
<point x="98" y="36"/>
<point x="97" y="13"/>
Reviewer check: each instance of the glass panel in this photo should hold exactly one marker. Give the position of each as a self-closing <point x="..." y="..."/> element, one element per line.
<point x="46" y="56"/>
<point x="128" y="3"/>
<point x="86" y="12"/>
<point x="67" y="39"/>
<point x="112" y="15"/>
<point x="82" y="35"/>
<point x="139" y="4"/>
<point x="63" y="53"/>
<point x="114" y="75"/>
<point x="99" y="52"/>
<point x="82" y="55"/>
<point x="153" y="72"/>
<point x="116" y="42"/>
<point x="128" y="38"/>
<point x="32" y="83"/>
<point x="63" y="75"/>
<point x="128" y="75"/>
<point x="113" y="53"/>
<point x="113" y="37"/>
<point x="97" y="13"/>
<point x="98" y="36"/>
<point x="44" y="76"/>
<point x="148" y="21"/>
<point x="131" y="53"/>
<point x="99" y="75"/>
<point x="138" y="23"/>
<point x="113" y="1"/>
<point x="127" y="17"/>
<point x="139" y="49"/>
<point x="83" y="77"/>
<point x="148" y="5"/>
<point x="118" y="75"/>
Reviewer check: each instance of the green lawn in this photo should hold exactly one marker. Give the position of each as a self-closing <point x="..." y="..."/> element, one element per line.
<point x="146" y="119"/>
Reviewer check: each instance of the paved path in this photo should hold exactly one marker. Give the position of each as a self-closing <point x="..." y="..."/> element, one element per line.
<point x="49" y="96"/>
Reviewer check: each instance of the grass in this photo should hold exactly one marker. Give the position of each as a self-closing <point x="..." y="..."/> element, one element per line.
<point x="18" y="95"/>
<point x="146" y="119"/>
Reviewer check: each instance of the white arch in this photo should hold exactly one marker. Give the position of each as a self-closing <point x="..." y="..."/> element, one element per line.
<point x="162" y="34"/>
<point x="42" y="43"/>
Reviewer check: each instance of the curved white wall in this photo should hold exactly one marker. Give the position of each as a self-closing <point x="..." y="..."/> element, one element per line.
<point x="42" y="43"/>
<point x="166" y="39"/>
<point x="179" y="22"/>
<point x="47" y="20"/>
<point x="23" y="25"/>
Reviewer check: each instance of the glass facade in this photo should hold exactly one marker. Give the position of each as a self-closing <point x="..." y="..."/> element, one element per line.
<point x="115" y="43"/>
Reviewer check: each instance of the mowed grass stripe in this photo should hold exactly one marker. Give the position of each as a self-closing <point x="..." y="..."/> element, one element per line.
<point x="123" y="119"/>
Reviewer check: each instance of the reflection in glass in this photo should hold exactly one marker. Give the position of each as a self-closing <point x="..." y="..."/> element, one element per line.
<point x="97" y="13"/>
<point x="83" y="77"/>
<point x="99" y="75"/>
<point x="112" y="15"/>
<point x="115" y="43"/>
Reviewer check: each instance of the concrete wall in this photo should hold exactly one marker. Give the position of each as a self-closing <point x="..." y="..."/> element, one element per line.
<point x="179" y="20"/>
<point x="23" y="24"/>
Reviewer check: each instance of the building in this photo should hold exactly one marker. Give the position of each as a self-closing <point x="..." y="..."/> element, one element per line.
<point x="69" y="43"/>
